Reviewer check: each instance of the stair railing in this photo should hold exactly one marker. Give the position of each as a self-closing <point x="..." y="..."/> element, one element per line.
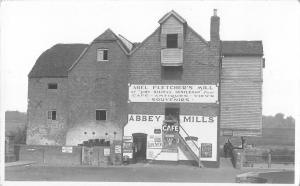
<point x="198" y="148"/>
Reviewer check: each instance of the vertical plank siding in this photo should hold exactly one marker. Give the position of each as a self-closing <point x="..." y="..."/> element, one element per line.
<point x="241" y="95"/>
<point x="172" y="26"/>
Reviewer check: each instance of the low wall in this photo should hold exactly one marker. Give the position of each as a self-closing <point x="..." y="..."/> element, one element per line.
<point x="72" y="155"/>
<point x="50" y="155"/>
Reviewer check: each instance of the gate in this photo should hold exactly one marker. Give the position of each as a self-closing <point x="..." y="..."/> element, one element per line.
<point x="87" y="155"/>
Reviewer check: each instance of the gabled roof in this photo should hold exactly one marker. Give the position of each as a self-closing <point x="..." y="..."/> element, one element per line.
<point x="55" y="61"/>
<point x="107" y="35"/>
<point x="242" y="48"/>
<point x="172" y="13"/>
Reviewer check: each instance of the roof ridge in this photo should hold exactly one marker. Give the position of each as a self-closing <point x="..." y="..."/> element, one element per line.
<point x="170" y="13"/>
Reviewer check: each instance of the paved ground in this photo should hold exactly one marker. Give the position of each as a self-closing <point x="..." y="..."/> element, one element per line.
<point x="138" y="173"/>
<point x="279" y="177"/>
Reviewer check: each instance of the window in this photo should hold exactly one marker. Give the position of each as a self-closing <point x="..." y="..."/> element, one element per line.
<point x="52" y="115"/>
<point x="172" y="41"/>
<point x="101" y="115"/>
<point x="52" y="85"/>
<point x="102" y="55"/>
<point x="172" y="112"/>
<point x="171" y="72"/>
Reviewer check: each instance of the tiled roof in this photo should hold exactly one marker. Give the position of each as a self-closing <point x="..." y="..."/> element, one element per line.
<point x="136" y="44"/>
<point x="55" y="61"/>
<point x="242" y="48"/>
<point x="108" y="34"/>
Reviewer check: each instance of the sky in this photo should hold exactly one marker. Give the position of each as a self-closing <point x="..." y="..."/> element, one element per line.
<point x="28" y="28"/>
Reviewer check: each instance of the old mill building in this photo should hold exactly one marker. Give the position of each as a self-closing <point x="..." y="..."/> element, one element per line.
<point x="169" y="98"/>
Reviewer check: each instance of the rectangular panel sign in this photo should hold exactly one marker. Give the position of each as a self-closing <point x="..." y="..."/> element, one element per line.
<point x="118" y="149"/>
<point x="127" y="147"/>
<point x="173" y="93"/>
<point x="206" y="150"/>
<point x="106" y="152"/>
<point x="67" y="149"/>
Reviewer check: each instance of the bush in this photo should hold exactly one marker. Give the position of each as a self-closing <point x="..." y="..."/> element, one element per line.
<point x="19" y="136"/>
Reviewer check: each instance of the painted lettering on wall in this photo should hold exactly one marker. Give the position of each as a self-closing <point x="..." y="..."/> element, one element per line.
<point x="198" y="119"/>
<point x="173" y="93"/>
<point x="171" y="128"/>
<point x="144" y="118"/>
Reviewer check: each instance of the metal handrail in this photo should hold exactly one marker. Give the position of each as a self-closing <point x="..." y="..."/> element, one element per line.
<point x="189" y="136"/>
<point x="198" y="148"/>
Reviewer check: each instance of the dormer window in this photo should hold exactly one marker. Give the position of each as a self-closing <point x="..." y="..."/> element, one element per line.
<point x="102" y="55"/>
<point x="172" y="40"/>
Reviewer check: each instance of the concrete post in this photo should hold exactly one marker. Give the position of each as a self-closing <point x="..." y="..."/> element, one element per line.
<point x="43" y="155"/>
<point x="82" y="154"/>
<point x="269" y="160"/>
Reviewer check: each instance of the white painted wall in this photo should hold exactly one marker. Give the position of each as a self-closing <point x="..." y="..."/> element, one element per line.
<point x="205" y="128"/>
<point x="205" y="131"/>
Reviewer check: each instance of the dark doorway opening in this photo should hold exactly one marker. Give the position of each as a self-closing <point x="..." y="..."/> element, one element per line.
<point x="139" y="147"/>
<point x="172" y="113"/>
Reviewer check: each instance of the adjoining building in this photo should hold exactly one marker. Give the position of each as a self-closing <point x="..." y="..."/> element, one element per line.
<point x="169" y="98"/>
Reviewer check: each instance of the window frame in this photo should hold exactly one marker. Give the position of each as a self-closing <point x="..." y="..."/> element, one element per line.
<point x="50" y="115"/>
<point x="103" y="54"/>
<point x="170" y="41"/>
<point x="100" y="115"/>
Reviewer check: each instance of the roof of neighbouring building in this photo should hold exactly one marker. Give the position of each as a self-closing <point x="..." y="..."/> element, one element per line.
<point x="242" y="48"/>
<point x="55" y="61"/>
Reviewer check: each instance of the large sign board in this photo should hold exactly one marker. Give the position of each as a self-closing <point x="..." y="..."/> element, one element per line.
<point x="173" y="93"/>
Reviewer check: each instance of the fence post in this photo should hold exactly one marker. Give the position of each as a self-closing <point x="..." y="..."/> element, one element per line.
<point x="241" y="154"/>
<point x="199" y="157"/>
<point x="269" y="160"/>
<point x="82" y="154"/>
<point x="43" y="155"/>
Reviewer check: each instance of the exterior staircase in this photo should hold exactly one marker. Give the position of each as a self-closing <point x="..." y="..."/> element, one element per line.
<point x="194" y="153"/>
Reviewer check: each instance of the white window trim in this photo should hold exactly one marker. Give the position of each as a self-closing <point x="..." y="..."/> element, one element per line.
<point x="51" y="115"/>
<point x="102" y="49"/>
<point x="106" y="114"/>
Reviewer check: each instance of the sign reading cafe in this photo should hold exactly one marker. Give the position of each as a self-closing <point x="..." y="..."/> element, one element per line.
<point x="173" y="93"/>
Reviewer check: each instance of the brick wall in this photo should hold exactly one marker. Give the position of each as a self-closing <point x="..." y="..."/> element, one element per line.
<point x="98" y="85"/>
<point x="200" y="66"/>
<point x="42" y="131"/>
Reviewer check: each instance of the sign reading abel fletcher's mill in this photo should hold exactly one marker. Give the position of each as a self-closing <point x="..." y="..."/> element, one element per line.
<point x="173" y="93"/>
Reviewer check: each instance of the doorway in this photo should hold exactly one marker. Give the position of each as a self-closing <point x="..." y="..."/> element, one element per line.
<point x="139" y="147"/>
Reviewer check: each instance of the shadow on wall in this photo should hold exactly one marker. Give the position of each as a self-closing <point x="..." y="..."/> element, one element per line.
<point x="78" y="134"/>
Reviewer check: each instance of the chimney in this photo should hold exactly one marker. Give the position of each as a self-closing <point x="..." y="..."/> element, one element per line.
<point x="214" y="27"/>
